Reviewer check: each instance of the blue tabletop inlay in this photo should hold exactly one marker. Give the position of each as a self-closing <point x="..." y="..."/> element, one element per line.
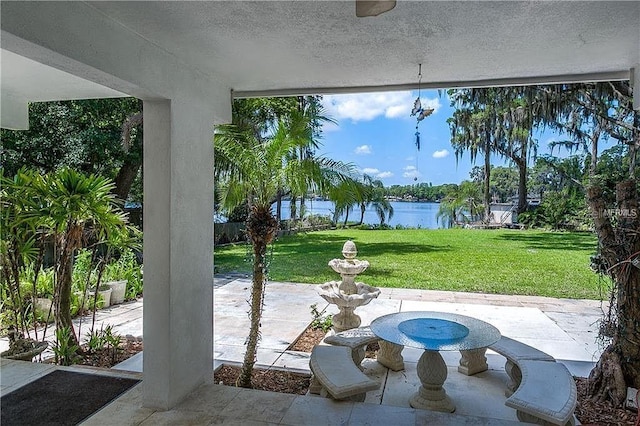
<point x="433" y="330"/>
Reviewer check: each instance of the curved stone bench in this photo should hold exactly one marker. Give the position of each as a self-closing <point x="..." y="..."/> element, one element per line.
<point x="541" y="390"/>
<point x="356" y="339"/>
<point x="515" y="352"/>
<point x="547" y="394"/>
<point x="333" y="368"/>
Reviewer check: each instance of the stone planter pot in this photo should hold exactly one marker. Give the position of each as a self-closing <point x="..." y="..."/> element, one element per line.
<point x="106" y="296"/>
<point x="43" y="305"/>
<point x="43" y="308"/>
<point x="118" y="290"/>
<point x="33" y="348"/>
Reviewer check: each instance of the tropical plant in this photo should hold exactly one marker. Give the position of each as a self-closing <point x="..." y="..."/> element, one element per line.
<point x="73" y="206"/>
<point x="105" y="339"/>
<point x="64" y="348"/>
<point x="320" y="321"/>
<point x="255" y="170"/>
<point x="125" y="268"/>
<point x="21" y="248"/>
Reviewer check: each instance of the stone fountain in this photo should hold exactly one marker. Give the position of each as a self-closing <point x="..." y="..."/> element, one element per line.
<point x="347" y="294"/>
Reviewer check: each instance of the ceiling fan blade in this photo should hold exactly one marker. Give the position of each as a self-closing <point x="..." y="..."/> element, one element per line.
<point x="366" y="8"/>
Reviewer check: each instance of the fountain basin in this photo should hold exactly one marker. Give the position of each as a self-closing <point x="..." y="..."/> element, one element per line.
<point x="331" y="293"/>
<point x="348" y="266"/>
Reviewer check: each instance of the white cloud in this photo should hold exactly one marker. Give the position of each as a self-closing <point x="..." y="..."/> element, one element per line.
<point x="328" y="126"/>
<point x="441" y="154"/>
<point x="367" y="106"/>
<point x="376" y="173"/>
<point x="431" y="103"/>
<point x="396" y="111"/>
<point x="363" y="150"/>
<point x="411" y="172"/>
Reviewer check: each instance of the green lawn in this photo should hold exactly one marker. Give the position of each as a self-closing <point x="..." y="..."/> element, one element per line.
<point x="487" y="261"/>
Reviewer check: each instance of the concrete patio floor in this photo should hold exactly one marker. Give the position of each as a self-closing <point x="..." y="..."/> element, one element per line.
<point x="564" y="328"/>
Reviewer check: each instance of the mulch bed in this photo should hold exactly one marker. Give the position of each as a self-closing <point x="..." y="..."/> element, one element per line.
<point x="600" y="413"/>
<point x="307" y="340"/>
<point x="104" y="357"/>
<point x="268" y="380"/>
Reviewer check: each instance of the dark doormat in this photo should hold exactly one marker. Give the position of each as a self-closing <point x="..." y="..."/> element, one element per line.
<point x="61" y="398"/>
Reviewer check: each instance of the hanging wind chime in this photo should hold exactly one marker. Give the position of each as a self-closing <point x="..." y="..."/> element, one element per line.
<point x="418" y="110"/>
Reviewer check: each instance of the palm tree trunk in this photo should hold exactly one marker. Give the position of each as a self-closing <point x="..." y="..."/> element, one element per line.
<point x="262" y="228"/>
<point x="346" y="217"/>
<point x="279" y="206"/>
<point x="255" y="314"/>
<point x="293" y="207"/>
<point x="302" y="207"/>
<point x="487" y="181"/>
<point x="363" y="208"/>
<point x="62" y="294"/>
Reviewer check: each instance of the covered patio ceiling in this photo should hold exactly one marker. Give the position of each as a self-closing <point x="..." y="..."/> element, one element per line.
<point x="293" y="47"/>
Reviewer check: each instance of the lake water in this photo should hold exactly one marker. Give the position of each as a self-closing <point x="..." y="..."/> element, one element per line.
<point x="412" y="215"/>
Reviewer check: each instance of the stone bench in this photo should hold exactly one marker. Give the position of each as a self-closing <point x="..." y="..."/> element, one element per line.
<point x="333" y="368"/>
<point x="356" y="339"/>
<point x="515" y="352"/>
<point x="547" y="394"/>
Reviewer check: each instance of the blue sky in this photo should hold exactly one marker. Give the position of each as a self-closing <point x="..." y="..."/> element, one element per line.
<point x="376" y="133"/>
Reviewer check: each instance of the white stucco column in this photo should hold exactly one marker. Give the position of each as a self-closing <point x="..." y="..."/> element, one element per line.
<point x="178" y="249"/>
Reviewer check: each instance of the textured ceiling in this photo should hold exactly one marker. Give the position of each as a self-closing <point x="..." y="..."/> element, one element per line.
<point x="272" y="45"/>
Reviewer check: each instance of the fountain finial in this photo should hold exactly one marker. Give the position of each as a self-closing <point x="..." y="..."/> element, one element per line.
<point x="349" y="250"/>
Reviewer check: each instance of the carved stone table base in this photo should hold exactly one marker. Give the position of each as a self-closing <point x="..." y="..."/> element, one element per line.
<point x="473" y="362"/>
<point x="432" y="372"/>
<point x="390" y="355"/>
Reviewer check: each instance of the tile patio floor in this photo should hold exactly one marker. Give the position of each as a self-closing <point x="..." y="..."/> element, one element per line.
<point x="566" y="329"/>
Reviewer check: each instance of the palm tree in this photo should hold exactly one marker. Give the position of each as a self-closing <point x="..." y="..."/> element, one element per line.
<point x="373" y="196"/>
<point x="344" y="196"/>
<point x="68" y="203"/>
<point x="255" y="171"/>
<point x="460" y="204"/>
